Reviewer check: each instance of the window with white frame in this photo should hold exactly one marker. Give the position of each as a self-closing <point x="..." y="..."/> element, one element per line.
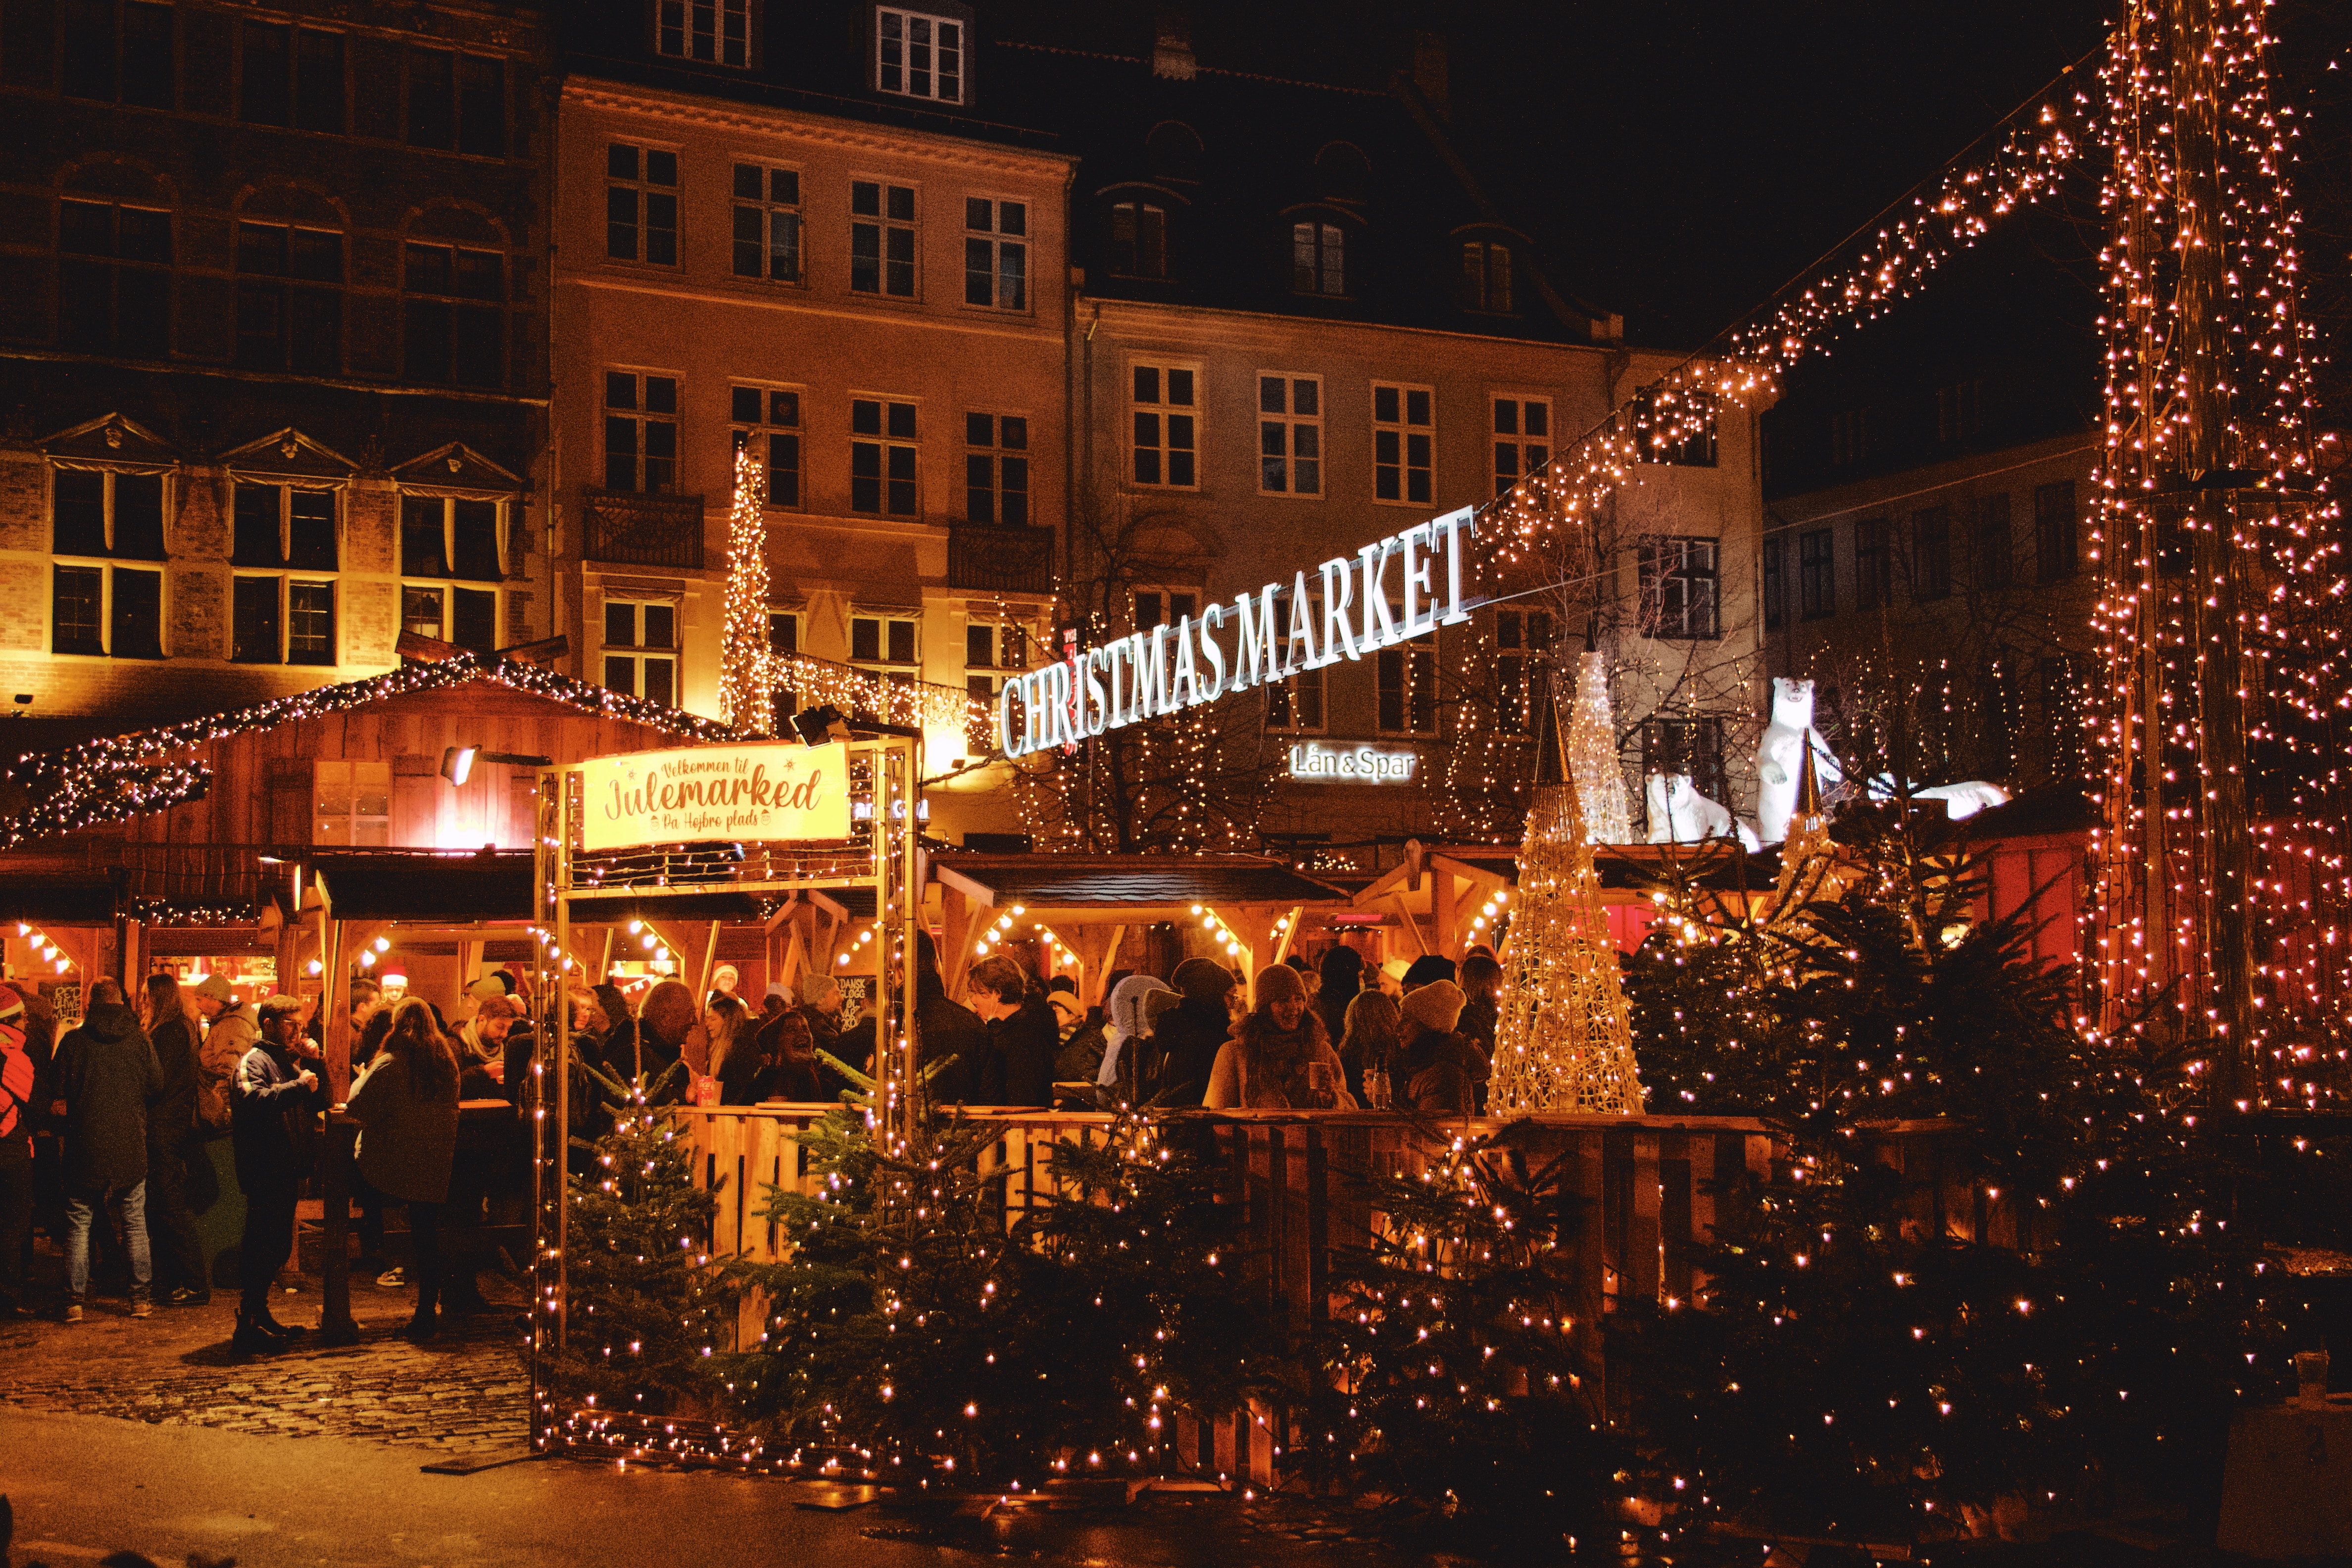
<point x="104" y="609"/>
<point x="276" y="618"/>
<point x="641" y="203"/>
<point x="996" y="253"/>
<point x="1408" y="689"/>
<point x="640" y="432"/>
<point x="641" y="648"/>
<point x="453" y="329"/>
<point x="1404" y="438"/>
<point x="1290" y="434"/>
<point x="1522" y="439"/>
<point x="768" y="419"/>
<point x="990" y="646"/>
<point x="1681" y="587"/>
<point x="1522" y="669"/>
<point x="1296" y="703"/>
<point x="1317" y="259"/>
<point x="450" y="612"/>
<point x="882" y="457"/>
<point x="881" y="239"/>
<point x="767" y="223"/>
<point x="114" y="278"/>
<point x="890" y="646"/>
<point x="452" y="536"/>
<point x="1166" y="427"/>
<point x="917" y="55"/>
<point x="716" y="32"/>
<point x="996" y="468"/>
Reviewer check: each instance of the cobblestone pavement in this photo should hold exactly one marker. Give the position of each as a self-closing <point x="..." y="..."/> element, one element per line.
<point x="467" y="1394"/>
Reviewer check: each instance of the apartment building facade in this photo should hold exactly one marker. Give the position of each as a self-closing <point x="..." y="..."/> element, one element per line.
<point x="273" y="324"/>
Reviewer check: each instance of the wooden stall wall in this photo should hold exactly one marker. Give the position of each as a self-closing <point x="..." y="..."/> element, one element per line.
<point x="367" y="777"/>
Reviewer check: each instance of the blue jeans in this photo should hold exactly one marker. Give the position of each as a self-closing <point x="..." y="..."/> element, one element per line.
<point x="81" y="1206"/>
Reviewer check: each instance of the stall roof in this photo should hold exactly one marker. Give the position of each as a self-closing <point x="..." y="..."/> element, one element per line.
<point x="419" y="885"/>
<point x="1136" y="882"/>
<point x="60" y="900"/>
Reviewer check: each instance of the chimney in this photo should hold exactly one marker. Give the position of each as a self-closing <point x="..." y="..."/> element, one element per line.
<point x="1171" y="45"/>
<point x="1429" y="73"/>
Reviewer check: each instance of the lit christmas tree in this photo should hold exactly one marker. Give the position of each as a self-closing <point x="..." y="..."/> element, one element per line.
<point x="1592" y="760"/>
<point x="1563" y="1041"/>
<point x="747" y="666"/>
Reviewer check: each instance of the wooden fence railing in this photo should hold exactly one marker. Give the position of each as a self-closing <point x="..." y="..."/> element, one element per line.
<point x="1651" y="1181"/>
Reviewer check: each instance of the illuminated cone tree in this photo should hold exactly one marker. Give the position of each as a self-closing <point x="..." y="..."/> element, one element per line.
<point x="1563" y="1041"/>
<point x="1593" y="753"/>
<point x="747" y="668"/>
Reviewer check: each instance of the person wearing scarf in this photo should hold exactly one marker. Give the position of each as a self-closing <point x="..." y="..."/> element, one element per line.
<point x="1280" y="1057"/>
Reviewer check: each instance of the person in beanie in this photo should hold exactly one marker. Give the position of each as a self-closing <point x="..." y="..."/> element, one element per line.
<point x="108" y="1079"/>
<point x="173" y="1031"/>
<point x="20" y="1091"/>
<point x="275" y="1102"/>
<point x="1280" y="1057"/>
<point x="231" y="1029"/>
<point x="1427" y="969"/>
<point x="1021" y="1031"/>
<point x="1185" y="1042"/>
<point x="1436" y="1072"/>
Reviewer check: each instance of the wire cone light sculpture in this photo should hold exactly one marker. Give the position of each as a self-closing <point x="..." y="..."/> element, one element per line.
<point x="1592" y="754"/>
<point x="1809" y="864"/>
<point x="1564" y="1041"/>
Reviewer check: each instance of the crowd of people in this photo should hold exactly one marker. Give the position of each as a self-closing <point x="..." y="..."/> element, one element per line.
<point x="105" y="1127"/>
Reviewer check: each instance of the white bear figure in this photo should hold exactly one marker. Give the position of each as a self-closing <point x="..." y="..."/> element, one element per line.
<point x="1961" y="801"/>
<point x="1779" y="755"/>
<point x="1680" y="815"/>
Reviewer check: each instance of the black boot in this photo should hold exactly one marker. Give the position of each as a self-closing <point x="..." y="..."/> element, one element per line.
<point x="283" y="1330"/>
<point x="253" y="1338"/>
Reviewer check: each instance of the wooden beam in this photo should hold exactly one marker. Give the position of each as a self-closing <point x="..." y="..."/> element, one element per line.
<point x="957" y="915"/>
<point x="1290" y="924"/>
<point x="1440" y="911"/>
<point x="1098" y="949"/>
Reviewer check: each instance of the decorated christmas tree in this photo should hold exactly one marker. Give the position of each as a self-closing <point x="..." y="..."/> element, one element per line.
<point x="1592" y="760"/>
<point x="1459" y="1381"/>
<point x="1562" y="1041"/>
<point x="1902" y="1339"/>
<point x="914" y="1330"/>
<point x="650" y="1309"/>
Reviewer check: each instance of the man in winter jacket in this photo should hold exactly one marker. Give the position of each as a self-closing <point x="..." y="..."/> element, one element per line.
<point x="1020" y="1033"/>
<point x="21" y="1091"/>
<point x="231" y="1029"/>
<point x="107" y="1078"/>
<point x="1185" y="1040"/>
<point x="277" y="1098"/>
<point x="945" y="1029"/>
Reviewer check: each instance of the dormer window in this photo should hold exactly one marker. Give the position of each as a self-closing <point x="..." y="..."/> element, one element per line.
<point x="1486" y="277"/>
<point x="716" y="32"/>
<point x="1317" y="259"/>
<point x="919" y="56"/>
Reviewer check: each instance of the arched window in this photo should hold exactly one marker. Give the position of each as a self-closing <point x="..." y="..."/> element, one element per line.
<point x="1486" y="282"/>
<point x="1173" y="151"/>
<point x="1341" y="173"/>
<point x="1318" y="263"/>
<point x="1139" y="238"/>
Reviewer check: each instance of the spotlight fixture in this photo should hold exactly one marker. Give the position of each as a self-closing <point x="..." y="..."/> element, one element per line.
<point x="820" y="726"/>
<point x="458" y="762"/>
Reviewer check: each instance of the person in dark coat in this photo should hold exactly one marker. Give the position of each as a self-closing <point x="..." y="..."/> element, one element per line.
<point x="275" y="1101"/>
<point x="944" y="1030"/>
<point x="406" y="1106"/>
<point x="1427" y="969"/>
<point x="1021" y="1032"/>
<point x="107" y="1079"/>
<point x="1436" y="1072"/>
<point x="668" y="1017"/>
<point x="617" y="1054"/>
<point x="820" y="1008"/>
<point x="24" y="1087"/>
<point x="787" y="1051"/>
<point x="1185" y="1041"/>
<point x="173" y="1031"/>
<point x="1342" y="976"/>
<point x="1482" y="1009"/>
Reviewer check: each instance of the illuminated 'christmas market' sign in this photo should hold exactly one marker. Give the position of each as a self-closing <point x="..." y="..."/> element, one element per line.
<point x="1341" y="610"/>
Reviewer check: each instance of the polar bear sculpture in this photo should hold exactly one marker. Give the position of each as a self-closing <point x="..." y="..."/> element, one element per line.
<point x="1680" y="815"/>
<point x="1961" y="801"/>
<point x="1780" y="754"/>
